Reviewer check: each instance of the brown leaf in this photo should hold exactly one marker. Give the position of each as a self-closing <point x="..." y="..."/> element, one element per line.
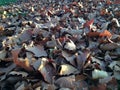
<point x="81" y="59"/>
<point x="47" y="70"/>
<point x="88" y="23"/>
<point x="66" y="82"/>
<point x="113" y="82"/>
<point x="80" y="77"/>
<point x="23" y="64"/>
<point x="37" y="50"/>
<point x="81" y="85"/>
<point x="117" y="2"/>
<point x="105" y="33"/>
<point x="99" y="87"/>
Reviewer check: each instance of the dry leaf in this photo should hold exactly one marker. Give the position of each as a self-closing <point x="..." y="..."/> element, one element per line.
<point x="66" y="82"/>
<point x="47" y="70"/>
<point x="67" y="69"/>
<point x="38" y="50"/>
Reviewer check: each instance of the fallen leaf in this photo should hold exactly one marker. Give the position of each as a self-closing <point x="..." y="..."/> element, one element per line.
<point x="67" y="69"/>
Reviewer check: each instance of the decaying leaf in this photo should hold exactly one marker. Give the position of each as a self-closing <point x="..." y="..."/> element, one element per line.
<point x="66" y="82"/>
<point x="37" y="50"/>
<point x="47" y="70"/>
<point x="80" y="77"/>
<point x="60" y="44"/>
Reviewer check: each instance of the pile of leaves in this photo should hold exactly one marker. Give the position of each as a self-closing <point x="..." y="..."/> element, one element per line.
<point x="60" y="45"/>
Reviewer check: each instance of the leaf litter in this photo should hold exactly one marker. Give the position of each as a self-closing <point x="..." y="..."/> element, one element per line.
<point x="60" y="45"/>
